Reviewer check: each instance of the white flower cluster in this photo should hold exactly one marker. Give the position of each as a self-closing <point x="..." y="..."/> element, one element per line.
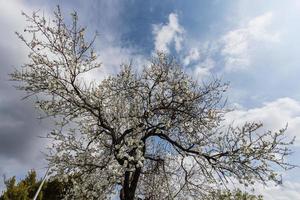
<point x="131" y="152"/>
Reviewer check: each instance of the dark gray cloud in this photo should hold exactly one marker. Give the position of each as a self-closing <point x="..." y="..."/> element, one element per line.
<point x="18" y="127"/>
<point x="20" y="146"/>
<point x="18" y="124"/>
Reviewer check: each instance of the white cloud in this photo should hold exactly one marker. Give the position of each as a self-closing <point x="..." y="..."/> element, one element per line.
<point x="11" y="20"/>
<point x="257" y="28"/>
<point x="288" y="191"/>
<point x="237" y="47"/>
<point x="165" y="35"/>
<point x="193" y="55"/>
<point x="202" y="69"/>
<point x="198" y="59"/>
<point x="112" y="57"/>
<point x="237" y="44"/>
<point x="274" y="115"/>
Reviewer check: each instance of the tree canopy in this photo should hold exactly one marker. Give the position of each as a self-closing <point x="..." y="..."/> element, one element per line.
<point x="155" y="133"/>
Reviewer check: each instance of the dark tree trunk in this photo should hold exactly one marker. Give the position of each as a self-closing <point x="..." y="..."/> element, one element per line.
<point x="130" y="184"/>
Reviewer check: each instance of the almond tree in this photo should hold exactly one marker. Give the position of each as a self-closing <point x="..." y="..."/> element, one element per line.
<point x="154" y="134"/>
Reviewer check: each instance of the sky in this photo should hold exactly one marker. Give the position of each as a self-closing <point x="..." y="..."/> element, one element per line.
<point x="254" y="45"/>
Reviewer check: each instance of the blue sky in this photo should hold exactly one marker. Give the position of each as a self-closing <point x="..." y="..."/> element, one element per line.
<point x="254" y="45"/>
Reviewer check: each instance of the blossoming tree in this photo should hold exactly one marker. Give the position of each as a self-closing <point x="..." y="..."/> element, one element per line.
<point x="154" y="134"/>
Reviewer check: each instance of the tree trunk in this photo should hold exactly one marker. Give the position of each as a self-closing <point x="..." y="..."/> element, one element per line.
<point x="130" y="184"/>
